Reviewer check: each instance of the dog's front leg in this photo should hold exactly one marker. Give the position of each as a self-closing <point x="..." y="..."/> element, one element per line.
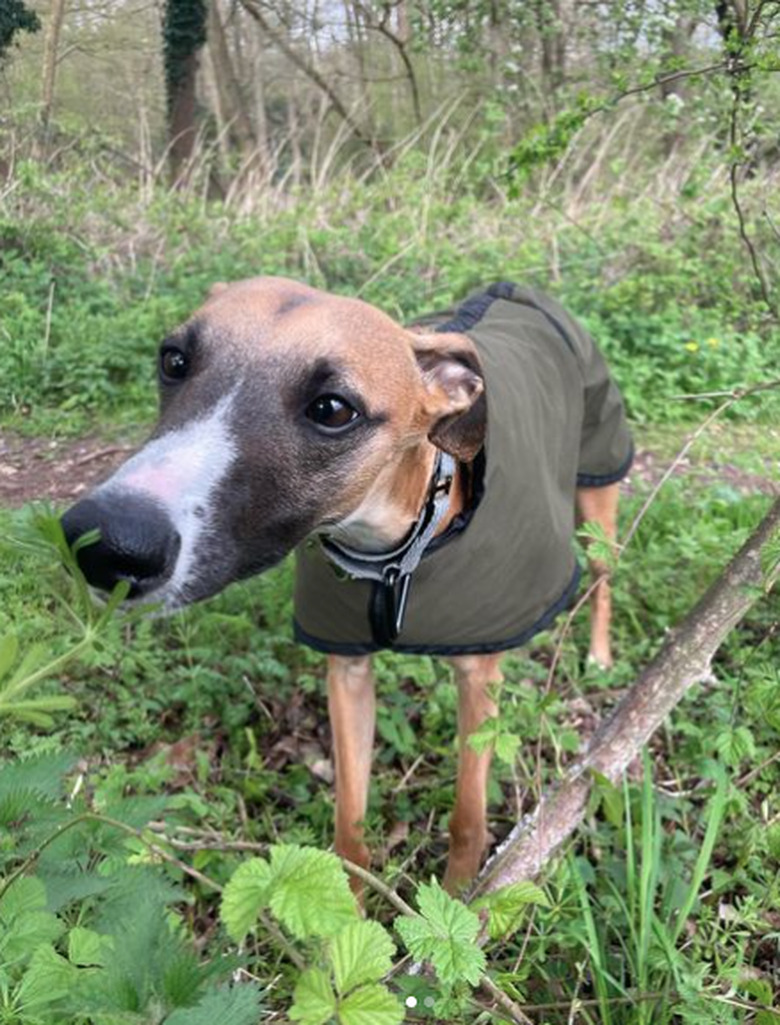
<point x="477" y="677"/>
<point x="352" y="709"/>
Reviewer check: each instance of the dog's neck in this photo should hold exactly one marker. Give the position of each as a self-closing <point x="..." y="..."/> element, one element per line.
<point x="395" y="502"/>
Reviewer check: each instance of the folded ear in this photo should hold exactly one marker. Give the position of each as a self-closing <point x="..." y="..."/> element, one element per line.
<point x="217" y="289"/>
<point x="455" y="404"/>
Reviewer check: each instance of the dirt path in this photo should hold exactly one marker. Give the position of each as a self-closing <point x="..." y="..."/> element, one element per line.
<point x="61" y="470"/>
<point x="56" y="470"/>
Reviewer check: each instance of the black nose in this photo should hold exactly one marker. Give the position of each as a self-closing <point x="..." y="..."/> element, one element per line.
<point x="138" y="542"/>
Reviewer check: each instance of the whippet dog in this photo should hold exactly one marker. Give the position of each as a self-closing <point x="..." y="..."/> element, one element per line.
<point x="294" y="418"/>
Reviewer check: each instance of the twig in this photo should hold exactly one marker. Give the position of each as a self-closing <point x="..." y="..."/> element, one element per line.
<point x="376" y="884"/>
<point x="49" y="311"/>
<point x="670" y="470"/>
<point x="514" y="1010"/>
<point x="274" y="930"/>
<point x="101" y="453"/>
<point x="564" y="1005"/>
<point x="734" y="393"/>
<point x="753" y="773"/>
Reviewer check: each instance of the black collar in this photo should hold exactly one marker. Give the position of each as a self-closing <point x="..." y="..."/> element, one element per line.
<point x="392" y="571"/>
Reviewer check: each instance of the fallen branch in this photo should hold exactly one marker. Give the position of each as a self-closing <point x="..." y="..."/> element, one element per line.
<point x="684" y="659"/>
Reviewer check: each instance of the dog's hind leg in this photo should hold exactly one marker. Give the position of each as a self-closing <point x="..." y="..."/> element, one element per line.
<point x="478" y="678"/>
<point x="352" y="709"/>
<point x="600" y="506"/>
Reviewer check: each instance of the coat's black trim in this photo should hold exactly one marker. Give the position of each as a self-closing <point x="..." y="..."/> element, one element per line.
<point x="337" y="648"/>
<point x="601" y="480"/>
<point x="469" y="313"/>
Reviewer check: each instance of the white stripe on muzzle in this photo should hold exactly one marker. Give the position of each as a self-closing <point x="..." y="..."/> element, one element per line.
<point x="181" y="471"/>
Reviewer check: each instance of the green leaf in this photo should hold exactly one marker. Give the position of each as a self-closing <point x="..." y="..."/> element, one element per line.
<point x="506" y="906"/>
<point x="598" y="545"/>
<point x="87" y="948"/>
<point x="33" y="658"/>
<point x="768" y="1017"/>
<point x="244" y="896"/>
<point x="41" y="773"/>
<point x="314" y="1001"/>
<point x="361" y="952"/>
<point x="49" y="978"/>
<point x="36" y="710"/>
<point x="736" y="744"/>
<point x="28" y="932"/>
<point x="506" y="747"/>
<point x="310" y="892"/>
<point x="371" y="1005"/>
<point x="26" y="894"/>
<point x="758" y="988"/>
<point x="237" y="1006"/>
<point x="491" y="732"/>
<point x="444" y="934"/>
<point x="9" y="646"/>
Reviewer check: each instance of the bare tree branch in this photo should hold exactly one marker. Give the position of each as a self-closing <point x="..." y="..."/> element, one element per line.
<point x="684" y="659"/>
<point x="255" y="11"/>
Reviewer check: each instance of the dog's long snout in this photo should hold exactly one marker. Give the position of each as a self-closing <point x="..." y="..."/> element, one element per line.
<point x="138" y="542"/>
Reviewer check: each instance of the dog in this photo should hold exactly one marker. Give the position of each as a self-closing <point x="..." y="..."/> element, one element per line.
<point x="428" y="477"/>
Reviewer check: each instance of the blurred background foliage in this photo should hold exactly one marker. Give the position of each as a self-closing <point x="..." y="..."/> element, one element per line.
<point x="623" y="155"/>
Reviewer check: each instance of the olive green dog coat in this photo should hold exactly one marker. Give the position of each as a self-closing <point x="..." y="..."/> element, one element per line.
<point x="504" y="570"/>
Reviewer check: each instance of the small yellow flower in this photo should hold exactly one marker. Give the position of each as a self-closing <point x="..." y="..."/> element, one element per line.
<point x="692" y="346"/>
<point x="713" y="342"/>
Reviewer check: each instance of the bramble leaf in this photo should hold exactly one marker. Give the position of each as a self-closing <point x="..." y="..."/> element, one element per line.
<point x="361" y="952"/>
<point x="444" y="934"/>
<point x="505" y="906"/>
<point x="314" y="1000"/>
<point x="491" y="731"/>
<point x="309" y="891"/>
<point x="244" y="896"/>
<point x="371" y="1005"/>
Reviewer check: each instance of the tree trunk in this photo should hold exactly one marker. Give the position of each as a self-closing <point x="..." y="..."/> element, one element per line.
<point x="50" y="48"/>
<point x="184" y="33"/>
<point x="182" y="128"/>
<point x="230" y="99"/>
<point x="685" y="659"/>
<point x="262" y="134"/>
<point x="552" y="38"/>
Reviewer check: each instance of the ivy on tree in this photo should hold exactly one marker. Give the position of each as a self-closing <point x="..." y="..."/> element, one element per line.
<point x="184" y="32"/>
<point x="15" y="17"/>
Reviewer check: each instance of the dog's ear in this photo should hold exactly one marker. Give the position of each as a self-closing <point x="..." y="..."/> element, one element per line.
<point x="455" y="405"/>
<point x="217" y="289"/>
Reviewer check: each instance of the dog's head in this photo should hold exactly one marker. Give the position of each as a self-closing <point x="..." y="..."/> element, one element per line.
<point x="283" y="410"/>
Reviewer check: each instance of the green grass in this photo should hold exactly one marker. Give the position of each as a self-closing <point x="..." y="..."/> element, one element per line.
<point x="636" y="903"/>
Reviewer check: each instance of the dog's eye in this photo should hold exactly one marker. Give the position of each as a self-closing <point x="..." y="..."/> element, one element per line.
<point x="331" y="412"/>
<point x="174" y="364"/>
